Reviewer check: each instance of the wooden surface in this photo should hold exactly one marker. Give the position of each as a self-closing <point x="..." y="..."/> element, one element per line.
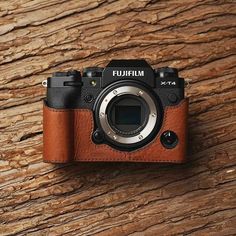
<point x="40" y="37"/>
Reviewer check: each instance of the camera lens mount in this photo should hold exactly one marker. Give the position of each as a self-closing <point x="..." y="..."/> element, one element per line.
<point x="129" y="115"/>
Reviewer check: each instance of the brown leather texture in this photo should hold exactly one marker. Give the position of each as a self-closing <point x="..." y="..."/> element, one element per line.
<point x="67" y="136"/>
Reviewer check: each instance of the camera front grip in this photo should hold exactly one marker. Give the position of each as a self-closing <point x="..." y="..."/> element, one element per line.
<point x="67" y="136"/>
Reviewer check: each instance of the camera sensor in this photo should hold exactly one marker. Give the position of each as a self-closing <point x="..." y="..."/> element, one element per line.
<point x="127" y="115"/>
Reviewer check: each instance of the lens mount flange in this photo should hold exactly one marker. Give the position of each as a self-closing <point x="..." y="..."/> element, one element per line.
<point x="121" y="91"/>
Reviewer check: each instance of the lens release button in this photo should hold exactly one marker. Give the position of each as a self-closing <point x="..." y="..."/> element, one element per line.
<point x="169" y="139"/>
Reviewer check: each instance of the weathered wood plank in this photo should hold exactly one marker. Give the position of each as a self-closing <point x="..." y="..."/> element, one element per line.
<point x="198" y="198"/>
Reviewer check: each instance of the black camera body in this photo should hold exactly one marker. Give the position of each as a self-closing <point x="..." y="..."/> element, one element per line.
<point x="128" y="99"/>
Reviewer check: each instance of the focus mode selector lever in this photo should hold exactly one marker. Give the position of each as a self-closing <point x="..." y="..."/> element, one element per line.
<point x="169" y="139"/>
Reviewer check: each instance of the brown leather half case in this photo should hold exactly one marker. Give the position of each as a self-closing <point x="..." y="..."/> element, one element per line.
<point x="67" y="136"/>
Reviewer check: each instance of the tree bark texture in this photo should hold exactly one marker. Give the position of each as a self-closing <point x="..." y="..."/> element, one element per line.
<point x="40" y="37"/>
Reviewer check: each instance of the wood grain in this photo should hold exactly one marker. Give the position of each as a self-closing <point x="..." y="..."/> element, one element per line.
<point x="39" y="37"/>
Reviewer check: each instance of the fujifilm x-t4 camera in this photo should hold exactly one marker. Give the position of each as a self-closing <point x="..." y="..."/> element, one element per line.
<point x="126" y="111"/>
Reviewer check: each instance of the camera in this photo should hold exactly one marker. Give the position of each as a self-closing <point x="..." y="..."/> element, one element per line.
<point x="127" y="111"/>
